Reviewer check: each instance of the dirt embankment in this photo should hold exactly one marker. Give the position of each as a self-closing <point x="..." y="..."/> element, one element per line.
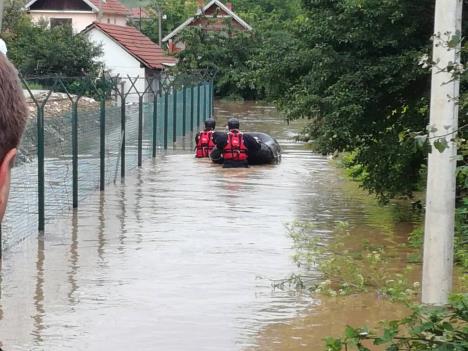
<point x="58" y="104"/>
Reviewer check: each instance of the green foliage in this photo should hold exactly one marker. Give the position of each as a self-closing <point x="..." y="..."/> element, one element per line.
<point x="427" y="328"/>
<point x="348" y="267"/>
<point x="352" y="68"/>
<point x="234" y="54"/>
<point x="38" y="50"/>
<point x="175" y="11"/>
<point x="226" y="53"/>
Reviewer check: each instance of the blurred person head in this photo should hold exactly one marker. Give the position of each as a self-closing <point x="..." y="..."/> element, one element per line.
<point x="210" y="124"/>
<point x="233" y="123"/>
<point x="13" y="115"/>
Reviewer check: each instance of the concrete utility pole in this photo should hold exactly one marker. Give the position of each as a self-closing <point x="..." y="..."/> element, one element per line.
<point x="160" y="26"/>
<point x="440" y="198"/>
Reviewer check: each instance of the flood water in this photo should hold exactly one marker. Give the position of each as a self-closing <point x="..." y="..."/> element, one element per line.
<point x="182" y="256"/>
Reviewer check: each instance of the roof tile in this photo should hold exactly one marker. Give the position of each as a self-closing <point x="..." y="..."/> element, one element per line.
<point x="114" y="7"/>
<point x="136" y="44"/>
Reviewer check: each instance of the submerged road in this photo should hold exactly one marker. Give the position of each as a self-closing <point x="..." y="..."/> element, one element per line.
<point x="180" y="257"/>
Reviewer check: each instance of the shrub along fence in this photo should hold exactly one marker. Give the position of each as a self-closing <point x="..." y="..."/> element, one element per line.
<point x="86" y="132"/>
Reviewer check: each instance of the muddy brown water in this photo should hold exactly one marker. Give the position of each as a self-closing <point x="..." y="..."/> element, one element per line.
<point x="183" y="255"/>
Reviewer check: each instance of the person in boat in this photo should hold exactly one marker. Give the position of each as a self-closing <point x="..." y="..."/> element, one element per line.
<point x="233" y="147"/>
<point x="13" y="116"/>
<point x="204" y="139"/>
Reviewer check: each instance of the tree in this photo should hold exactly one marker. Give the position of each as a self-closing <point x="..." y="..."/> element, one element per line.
<point x="352" y="68"/>
<point x="227" y="53"/>
<point x="175" y="11"/>
<point x="39" y="50"/>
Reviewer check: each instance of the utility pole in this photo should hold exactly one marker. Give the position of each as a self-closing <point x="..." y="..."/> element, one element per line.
<point x="440" y="197"/>
<point x="160" y="26"/>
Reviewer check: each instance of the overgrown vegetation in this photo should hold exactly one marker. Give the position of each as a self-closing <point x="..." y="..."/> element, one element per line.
<point x="427" y="328"/>
<point x="349" y="266"/>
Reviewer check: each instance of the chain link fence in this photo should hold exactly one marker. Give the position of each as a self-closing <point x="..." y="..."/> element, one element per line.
<point x="84" y="133"/>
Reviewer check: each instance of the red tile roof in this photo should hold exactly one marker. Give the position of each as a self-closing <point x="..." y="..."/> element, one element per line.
<point x="136" y="44"/>
<point x="135" y="12"/>
<point x="114" y="7"/>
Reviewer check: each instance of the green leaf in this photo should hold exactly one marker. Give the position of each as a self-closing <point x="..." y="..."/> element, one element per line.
<point x="441" y="144"/>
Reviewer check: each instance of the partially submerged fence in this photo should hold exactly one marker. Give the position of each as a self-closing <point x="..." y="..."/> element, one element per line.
<point x="84" y="133"/>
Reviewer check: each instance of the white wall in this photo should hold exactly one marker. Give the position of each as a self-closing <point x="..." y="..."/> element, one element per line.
<point x="80" y="20"/>
<point x="118" y="20"/>
<point x="119" y="61"/>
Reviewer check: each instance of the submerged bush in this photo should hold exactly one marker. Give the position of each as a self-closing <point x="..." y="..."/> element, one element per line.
<point x="427" y="328"/>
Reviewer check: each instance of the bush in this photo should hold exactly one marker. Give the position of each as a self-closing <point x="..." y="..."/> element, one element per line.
<point x="427" y="328"/>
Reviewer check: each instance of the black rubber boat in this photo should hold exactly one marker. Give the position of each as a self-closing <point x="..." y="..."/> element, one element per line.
<point x="269" y="153"/>
<point x="270" y="150"/>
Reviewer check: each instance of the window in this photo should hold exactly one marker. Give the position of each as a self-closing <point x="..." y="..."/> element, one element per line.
<point x="55" y="22"/>
<point x="108" y="20"/>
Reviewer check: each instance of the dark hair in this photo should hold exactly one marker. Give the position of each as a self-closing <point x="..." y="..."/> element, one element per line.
<point x="210" y="123"/>
<point x="13" y="108"/>
<point x="233" y="123"/>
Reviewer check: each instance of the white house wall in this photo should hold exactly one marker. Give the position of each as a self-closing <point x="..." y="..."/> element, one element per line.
<point x="118" y="20"/>
<point x="119" y="61"/>
<point x="79" y="20"/>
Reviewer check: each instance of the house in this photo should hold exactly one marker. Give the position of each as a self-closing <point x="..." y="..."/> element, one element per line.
<point x="77" y="13"/>
<point x="138" y="13"/>
<point x="128" y="52"/>
<point x="211" y="17"/>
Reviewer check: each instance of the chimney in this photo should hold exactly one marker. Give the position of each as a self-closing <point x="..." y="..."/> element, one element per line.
<point x="229" y="5"/>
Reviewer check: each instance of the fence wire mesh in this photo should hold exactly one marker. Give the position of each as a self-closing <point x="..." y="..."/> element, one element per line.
<point x="84" y="133"/>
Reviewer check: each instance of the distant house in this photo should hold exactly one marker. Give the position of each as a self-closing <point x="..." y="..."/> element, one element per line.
<point x="138" y="13"/>
<point x="127" y="52"/>
<point x="212" y="17"/>
<point x="77" y="13"/>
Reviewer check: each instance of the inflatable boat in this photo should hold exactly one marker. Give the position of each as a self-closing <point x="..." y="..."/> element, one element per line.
<point x="269" y="152"/>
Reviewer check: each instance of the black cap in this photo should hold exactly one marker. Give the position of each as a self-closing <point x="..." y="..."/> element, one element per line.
<point x="233" y="123"/>
<point x="210" y="123"/>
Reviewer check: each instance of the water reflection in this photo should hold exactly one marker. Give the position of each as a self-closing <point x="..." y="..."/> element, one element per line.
<point x="38" y="316"/>
<point x="73" y="261"/>
<point x="179" y="257"/>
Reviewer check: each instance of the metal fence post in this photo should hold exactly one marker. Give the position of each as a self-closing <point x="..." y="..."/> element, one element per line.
<point x="122" y="129"/>
<point x="212" y="97"/>
<point x="205" y="101"/>
<point x="174" y="116"/>
<point x="102" y="144"/>
<point x="155" y="122"/>
<point x="192" y="110"/>
<point x="75" y="152"/>
<point x="40" y="168"/>
<point x="184" y="110"/>
<point x="198" y="105"/>
<point x="140" y="131"/>
<point x="166" y="118"/>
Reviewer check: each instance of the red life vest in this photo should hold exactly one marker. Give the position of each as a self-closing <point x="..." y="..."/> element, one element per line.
<point x="205" y="144"/>
<point x="235" y="148"/>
